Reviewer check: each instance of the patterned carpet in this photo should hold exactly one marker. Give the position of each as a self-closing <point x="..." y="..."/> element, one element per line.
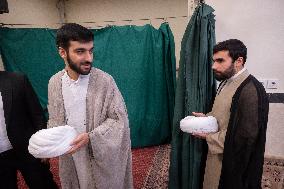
<point x="151" y="165"/>
<point x="273" y="174"/>
<point x="145" y="162"/>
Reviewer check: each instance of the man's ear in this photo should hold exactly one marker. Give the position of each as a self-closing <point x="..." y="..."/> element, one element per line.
<point x="239" y="62"/>
<point x="62" y="52"/>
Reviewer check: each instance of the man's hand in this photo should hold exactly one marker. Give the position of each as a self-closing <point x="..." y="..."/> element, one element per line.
<point x="44" y="160"/>
<point x="200" y="135"/>
<point x="197" y="114"/>
<point x="78" y="142"/>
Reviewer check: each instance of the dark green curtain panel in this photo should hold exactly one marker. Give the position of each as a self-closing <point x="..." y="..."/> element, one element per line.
<point x="195" y="92"/>
<point x="33" y="52"/>
<point x="142" y="61"/>
<point x="140" y="58"/>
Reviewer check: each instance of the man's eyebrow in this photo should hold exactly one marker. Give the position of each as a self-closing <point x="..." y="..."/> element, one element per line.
<point x="218" y="59"/>
<point x="80" y="49"/>
<point x="83" y="49"/>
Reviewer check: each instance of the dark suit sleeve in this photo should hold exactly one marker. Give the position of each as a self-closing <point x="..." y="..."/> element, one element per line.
<point x="33" y="106"/>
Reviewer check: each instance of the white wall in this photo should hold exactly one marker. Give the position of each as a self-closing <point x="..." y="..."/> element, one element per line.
<point x="275" y="131"/>
<point x="259" y="24"/>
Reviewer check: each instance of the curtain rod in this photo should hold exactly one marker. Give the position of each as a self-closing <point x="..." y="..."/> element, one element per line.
<point x="165" y="19"/>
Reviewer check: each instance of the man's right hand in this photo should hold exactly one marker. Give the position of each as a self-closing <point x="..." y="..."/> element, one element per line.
<point x="198" y="114"/>
<point x="199" y="135"/>
<point x="81" y="140"/>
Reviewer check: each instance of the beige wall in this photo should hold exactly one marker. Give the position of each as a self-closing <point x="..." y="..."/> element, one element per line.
<point x="38" y="13"/>
<point x="45" y="13"/>
<point x="100" y="11"/>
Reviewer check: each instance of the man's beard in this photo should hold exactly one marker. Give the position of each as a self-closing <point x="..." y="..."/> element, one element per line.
<point x="226" y="74"/>
<point x="77" y="68"/>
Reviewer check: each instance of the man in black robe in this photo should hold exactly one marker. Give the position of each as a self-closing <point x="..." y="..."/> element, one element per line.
<point x="241" y="149"/>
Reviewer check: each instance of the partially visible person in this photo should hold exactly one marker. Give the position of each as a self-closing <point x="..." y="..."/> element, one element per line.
<point x="88" y="99"/>
<point x="236" y="152"/>
<point x="21" y="116"/>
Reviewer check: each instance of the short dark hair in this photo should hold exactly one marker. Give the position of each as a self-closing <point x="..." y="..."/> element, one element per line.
<point x="72" y="32"/>
<point x="235" y="47"/>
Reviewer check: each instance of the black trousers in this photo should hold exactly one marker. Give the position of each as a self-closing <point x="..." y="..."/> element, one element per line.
<point x="36" y="174"/>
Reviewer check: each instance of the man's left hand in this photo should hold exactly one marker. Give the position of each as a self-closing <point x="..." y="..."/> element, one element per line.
<point x="44" y="160"/>
<point x="200" y="135"/>
<point x="79" y="141"/>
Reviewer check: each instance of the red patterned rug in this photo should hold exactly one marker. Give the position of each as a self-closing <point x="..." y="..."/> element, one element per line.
<point x="144" y="165"/>
<point x="150" y="169"/>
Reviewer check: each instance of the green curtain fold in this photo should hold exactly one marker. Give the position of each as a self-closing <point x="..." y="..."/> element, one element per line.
<point x="195" y="92"/>
<point x="140" y="58"/>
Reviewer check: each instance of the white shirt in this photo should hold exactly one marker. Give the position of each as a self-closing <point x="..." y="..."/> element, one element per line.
<point x="237" y="74"/>
<point x="4" y="141"/>
<point x="74" y="97"/>
<point x="228" y="81"/>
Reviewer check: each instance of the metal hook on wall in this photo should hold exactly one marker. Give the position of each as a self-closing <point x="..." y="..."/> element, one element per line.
<point x="165" y="20"/>
<point x="201" y="2"/>
<point x="129" y="21"/>
<point x="110" y="23"/>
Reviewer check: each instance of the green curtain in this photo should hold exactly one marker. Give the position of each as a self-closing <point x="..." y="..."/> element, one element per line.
<point x="33" y="52"/>
<point x="195" y="92"/>
<point x="140" y="58"/>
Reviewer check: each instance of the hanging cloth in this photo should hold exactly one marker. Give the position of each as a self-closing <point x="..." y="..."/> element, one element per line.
<point x="195" y="92"/>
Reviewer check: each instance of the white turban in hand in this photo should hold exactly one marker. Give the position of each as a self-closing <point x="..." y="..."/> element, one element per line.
<point x="53" y="142"/>
<point x="192" y="124"/>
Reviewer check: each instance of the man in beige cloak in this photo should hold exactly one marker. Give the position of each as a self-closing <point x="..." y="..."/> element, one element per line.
<point x="88" y="99"/>
<point x="236" y="151"/>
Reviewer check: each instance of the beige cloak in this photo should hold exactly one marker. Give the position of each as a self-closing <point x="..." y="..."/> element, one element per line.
<point x="221" y="111"/>
<point x="108" y="154"/>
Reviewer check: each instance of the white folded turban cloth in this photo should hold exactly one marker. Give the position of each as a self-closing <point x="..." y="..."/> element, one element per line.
<point x="192" y="124"/>
<point x="53" y="142"/>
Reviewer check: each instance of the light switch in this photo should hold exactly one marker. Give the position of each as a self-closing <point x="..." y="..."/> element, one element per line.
<point x="272" y="83"/>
